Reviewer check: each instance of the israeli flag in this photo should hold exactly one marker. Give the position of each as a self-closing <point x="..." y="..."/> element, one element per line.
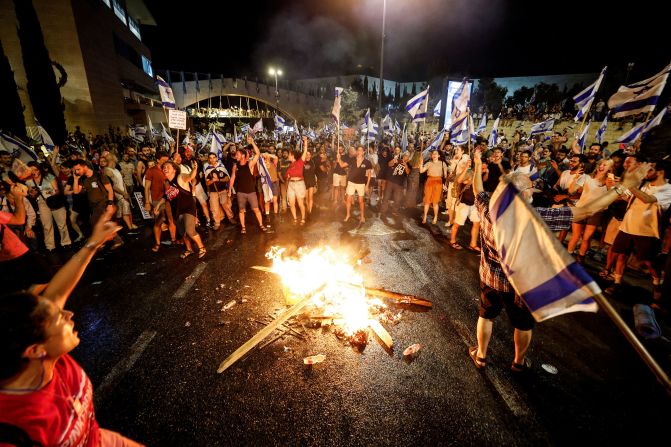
<point x="335" y="112"/>
<point x="387" y="125"/>
<point x="17" y="148"/>
<point x="436" y="110"/>
<point x="583" y="136"/>
<point x="537" y="265"/>
<point x="217" y="145"/>
<point x="417" y="106"/>
<point x="460" y="136"/>
<point x="494" y="134"/>
<point x="585" y="98"/>
<point x="601" y="132"/>
<point x="164" y="89"/>
<point x="639" y="97"/>
<point x="435" y="144"/>
<point x="397" y="127"/>
<point x="404" y="138"/>
<point x="166" y="135"/>
<point x="208" y="168"/>
<point x="542" y="127"/>
<point x="279" y="122"/>
<point x="482" y="127"/>
<point x="245" y="128"/>
<point x="460" y="102"/>
<point x="44" y="137"/>
<point x="642" y="129"/>
<point x="266" y="182"/>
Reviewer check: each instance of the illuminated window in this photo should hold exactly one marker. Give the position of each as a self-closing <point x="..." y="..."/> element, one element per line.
<point x="134" y="27"/>
<point x="107" y="2"/>
<point x="119" y="11"/>
<point x="146" y="66"/>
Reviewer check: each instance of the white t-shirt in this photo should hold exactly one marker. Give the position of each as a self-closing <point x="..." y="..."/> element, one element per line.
<point x="566" y="179"/>
<point x="642" y="219"/>
<point x="591" y="189"/>
<point x="528" y="170"/>
<point x="117" y="181"/>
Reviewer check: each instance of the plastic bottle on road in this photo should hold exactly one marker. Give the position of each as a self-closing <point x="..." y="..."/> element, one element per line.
<point x="314" y="359"/>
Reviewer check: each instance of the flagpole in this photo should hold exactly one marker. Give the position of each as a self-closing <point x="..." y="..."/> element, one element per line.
<point x="659" y="373"/>
<point x="582" y="123"/>
<point x="640" y="135"/>
<point x="468" y="127"/>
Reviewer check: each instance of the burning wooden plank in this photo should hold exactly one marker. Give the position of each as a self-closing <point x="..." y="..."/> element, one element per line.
<point x="382" y="333"/>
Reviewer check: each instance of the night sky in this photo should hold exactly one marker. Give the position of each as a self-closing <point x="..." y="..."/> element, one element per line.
<point x="425" y="38"/>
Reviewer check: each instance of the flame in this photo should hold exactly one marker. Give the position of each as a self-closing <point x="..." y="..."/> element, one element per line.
<point x="343" y="296"/>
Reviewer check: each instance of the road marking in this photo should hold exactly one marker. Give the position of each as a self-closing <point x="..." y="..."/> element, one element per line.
<point x="511" y="398"/>
<point x="125" y="364"/>
<point x="189" y="281"/>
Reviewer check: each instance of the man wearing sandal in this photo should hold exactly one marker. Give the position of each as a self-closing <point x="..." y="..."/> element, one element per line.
<point x="495" y="290"/>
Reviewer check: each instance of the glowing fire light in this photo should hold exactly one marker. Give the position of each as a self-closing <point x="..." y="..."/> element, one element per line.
<point x="344" y="296"/>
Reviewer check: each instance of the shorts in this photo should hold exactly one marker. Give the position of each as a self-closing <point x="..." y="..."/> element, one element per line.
<point x="339" y="180"/>
<point x="186" y="224"/>
<point x="611" y="231"/>
<point x="645" y="247"/>
<point x="463" y="211"/>
<point x="594" y="220"/>
<point x="432" y="190"/>
<point x="296" y="189"/>
<point x="247" y="197"/>
<point x="160" y="218"/>
<point x="359" y="188"/>
<point x="123" y="207"/>
<point x="199" y="193"/>
<point x="492" y="303"/>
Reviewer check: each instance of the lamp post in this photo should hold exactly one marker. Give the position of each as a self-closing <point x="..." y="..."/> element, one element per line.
<point x="381" y="89"/>
<point x="276" y="72"/>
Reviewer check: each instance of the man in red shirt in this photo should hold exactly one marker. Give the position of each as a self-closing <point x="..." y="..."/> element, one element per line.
<point x="154" y="189"/>
<point x="43" y="391"/>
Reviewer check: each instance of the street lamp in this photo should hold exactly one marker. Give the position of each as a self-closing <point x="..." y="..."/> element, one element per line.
<point x="275" y="72"/>
<point x="381" y="89"/>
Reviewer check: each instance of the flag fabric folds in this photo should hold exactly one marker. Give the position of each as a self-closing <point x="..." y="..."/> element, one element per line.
<point x="435" y="144"/>
<point x="542" y="127"/>
<point x="601" y="132"/>
<point x="494" y="134"/>
<point x="436" y="110"/>
<point x="266" y="182"/>
<point x="460" y="103"/>
<point x="583" y="136"/>
<point x="279" y="122"/>
<point x="17" y="148"/>
<point x="335" y="112"/>
<point x="585" y="98"/>
<point x="258" y="127"/>
<point x="167" y="97"/>
<point x="417" y="106"/>
<point x="404" y="139"/>
<point x="387" y="125"/>
<point x="44" y="137"/>
<point x="537" y="265"/>
<point x="482" y="127"/>
<point x="642" y="129"/>
<point x="165" y="135"/>
<point x="639" y="97"/>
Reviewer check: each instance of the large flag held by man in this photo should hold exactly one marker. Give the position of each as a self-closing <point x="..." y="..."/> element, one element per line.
<point x="642" y="129"/>
<point x="164" y="89"/>
<point x="585" y="98"/>
<point x="542" y="127"/>
<point x="335" y="112"/>
<point x="494" y="134"/>
<point x="639" y="97"/>
<point x="537" y="265"/>
<point x="460" y="103"/>
<point x="417" y="106"/>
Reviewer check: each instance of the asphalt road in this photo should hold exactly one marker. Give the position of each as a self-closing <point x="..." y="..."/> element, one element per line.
<point x="153" y="334"/>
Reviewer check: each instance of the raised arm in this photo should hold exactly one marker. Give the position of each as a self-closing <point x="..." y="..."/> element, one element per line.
<point x="477" y="173"/>
<point x="305" y="148"/>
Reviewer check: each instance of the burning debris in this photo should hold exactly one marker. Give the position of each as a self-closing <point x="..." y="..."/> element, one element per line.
<point x="324" y="289"/>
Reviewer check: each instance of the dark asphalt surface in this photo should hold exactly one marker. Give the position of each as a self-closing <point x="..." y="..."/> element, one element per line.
<point x="152" y="352"/>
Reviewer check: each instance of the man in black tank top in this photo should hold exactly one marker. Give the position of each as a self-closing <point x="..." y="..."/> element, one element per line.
<point x="245" y="183"/>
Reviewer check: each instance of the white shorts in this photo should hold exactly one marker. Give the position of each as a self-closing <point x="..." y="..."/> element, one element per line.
<point x="359" y="188"/>
<point x="611" y="231"/>
<point x="123" y="207"/>
<point x="200" y="194"/>
<point x="463" y="211"/>
<point x="296" y="189"/>
<point x="339" y="180"/>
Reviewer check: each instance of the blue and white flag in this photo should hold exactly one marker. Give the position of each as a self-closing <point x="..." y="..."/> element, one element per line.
<point x="397" y="127"/>
<point x="639" y="97"/>
<point x="219" y="167"/>
<point x="370" y="128"/>
<point x="245" y="128"/>
<point x="236" y="137"/>
<point x="404" y="138"/>
<point x="435" y="144"/>
<point x="136" y="133"/>
<point x="217" y="145"/>
<point x="583" y="136"/>
<point x="585" y="98"/>
<point x="601" y="132"/>
<point x="460" y="103"/>
<point x="266" y="182"/>
<point x="635" y="132"/>
<point x="335" y="111"/>
<point x="150" y="127"/>
<point x="387" y="125"/>
<point x="460" y="136"/>
<point x="417" y="106"/>
<point x="164" y="89"/>
<point x="536" y="264"/>
<point x="542" y="127"/>
<point x="436" y="110"/>
<point x="482" y="127"/>
<point x="44" y="137"/>
<point x="279" y="122"/>
<point x="494" y="134"/>
<point x="166" y="135"/>
<point x="17" y="148"/>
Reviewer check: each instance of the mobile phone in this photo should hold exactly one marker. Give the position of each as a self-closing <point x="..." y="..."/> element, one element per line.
<point x="611" y="176"/>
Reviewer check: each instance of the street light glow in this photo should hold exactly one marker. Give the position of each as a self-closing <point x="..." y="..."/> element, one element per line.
<point x="271" y="72"/>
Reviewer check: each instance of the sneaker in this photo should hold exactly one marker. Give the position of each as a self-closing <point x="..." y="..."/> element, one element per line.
<point x="168" y="243"/>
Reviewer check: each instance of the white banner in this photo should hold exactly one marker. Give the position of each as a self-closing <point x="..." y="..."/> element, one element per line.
<point x="177" y="119"/>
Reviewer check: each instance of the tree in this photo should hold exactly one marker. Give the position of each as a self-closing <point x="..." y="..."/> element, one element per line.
<point x="11" y="112"/>
<point x="350" y="109"/>
<point x="43" y="89"/>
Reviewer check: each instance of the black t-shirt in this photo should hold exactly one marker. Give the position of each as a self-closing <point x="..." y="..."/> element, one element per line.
<point x="339" y="169"/>
<point x="357" y="173"/>
<point x="397" y="174"/>
<point x="309" y="174"/>
<point x="467" y="196"/>
<point x="494" y="175"/>
<point x="79" y="202"/>
<point x="323" y="174"/>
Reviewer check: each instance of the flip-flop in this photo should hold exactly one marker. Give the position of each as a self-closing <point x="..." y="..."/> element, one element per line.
<point x="521" y="367"/>
<point x="456" y="246"/>
<point x="475" y="249"/>
<point x="479" y="361"/>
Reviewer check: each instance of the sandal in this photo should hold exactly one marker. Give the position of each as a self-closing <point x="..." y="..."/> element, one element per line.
<point x="605" y="273"/>
<point x="155" y="247"/>
<point x="475" y="249"/>
<point x="186" y="254"/>
<point x="243" y="230"/>
<point x="201" y="252"/>
<point x="480" y="362"/>
<point x="456" y="246"/>
<point x="521" y="367"/>
<point x="302" y="222"/>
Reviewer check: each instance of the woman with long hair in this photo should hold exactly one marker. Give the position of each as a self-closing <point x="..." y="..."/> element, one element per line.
<point x="310" y="178"/>
<point x="436" y="170"/>
<point x="51" y="205"/>
<point x="594" y="187"/>
<point x="183" y="206"/>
